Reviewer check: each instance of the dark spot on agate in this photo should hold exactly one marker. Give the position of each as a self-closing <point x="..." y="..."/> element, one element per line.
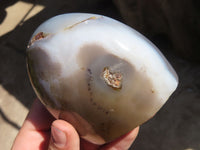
<point x="37" y="37"/>
<point x="89" y="84"/>
<point x="40" y="66"/>
<point x="42" y="63"/>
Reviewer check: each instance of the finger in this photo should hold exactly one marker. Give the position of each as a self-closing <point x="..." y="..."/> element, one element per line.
<point x="38" y="118"/>
<point x="63" y="136"/>
<point x="85" y="145"/>
<point x="35" y="131"/>
<point x="122" y="143"/>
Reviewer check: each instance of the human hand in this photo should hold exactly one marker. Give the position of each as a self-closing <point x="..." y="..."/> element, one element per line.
<point x="41" y="131"/>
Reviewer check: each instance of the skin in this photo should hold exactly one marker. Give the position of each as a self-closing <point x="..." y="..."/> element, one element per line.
<point x="40" y="131"/>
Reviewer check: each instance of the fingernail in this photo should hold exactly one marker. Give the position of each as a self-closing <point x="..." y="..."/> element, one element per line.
<point x="58" y="137"/>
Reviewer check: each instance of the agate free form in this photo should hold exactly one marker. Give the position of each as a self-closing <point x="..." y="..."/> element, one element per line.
<point x="100" y="75"/>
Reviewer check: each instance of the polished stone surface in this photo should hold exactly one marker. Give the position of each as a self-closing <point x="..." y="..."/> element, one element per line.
<point x="175" y="127"/>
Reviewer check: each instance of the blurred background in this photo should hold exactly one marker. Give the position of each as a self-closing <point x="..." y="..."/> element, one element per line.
<point x="173" y="26"/>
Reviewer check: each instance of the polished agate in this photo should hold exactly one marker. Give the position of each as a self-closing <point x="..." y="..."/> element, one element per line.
<point x="100" y="75"/>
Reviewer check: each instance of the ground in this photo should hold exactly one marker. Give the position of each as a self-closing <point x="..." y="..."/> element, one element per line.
<point x="174" y="127"/>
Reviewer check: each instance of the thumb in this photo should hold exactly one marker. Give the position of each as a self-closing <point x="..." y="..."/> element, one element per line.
<point x="63" y="136"/>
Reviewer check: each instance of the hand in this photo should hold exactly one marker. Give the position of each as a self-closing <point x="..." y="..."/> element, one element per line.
<point x="41" y="131"/>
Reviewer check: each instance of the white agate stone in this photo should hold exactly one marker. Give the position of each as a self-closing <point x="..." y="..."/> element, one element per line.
<point x="102" y="76"/>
